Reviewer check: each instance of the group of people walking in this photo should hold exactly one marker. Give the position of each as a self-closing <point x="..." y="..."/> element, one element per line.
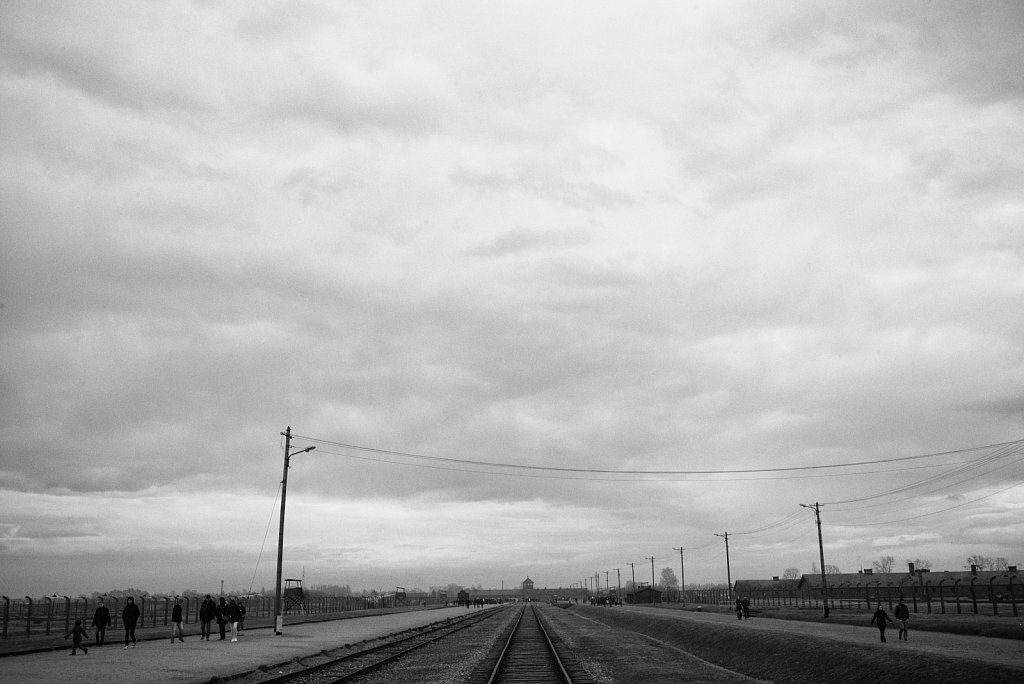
<point x="225" y="613"/>
<point x="882" y="620"/>
<point x="228" y="615"/>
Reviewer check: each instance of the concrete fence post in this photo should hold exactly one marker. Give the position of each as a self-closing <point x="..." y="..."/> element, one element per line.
<point x="1013" y="596"/>
<point x="28" y="616"/>
<point x="49" y="613"/>
<point x="992" y="595"/>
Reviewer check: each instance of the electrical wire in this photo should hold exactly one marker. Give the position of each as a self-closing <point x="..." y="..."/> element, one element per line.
<point x="596" y="471"/>
<point x="1002" y="453"/>
<point x="926" y="515"/>
<point x="784" y="523"/>
<point x="609" y="478"/>
<point x="266" y="534"/>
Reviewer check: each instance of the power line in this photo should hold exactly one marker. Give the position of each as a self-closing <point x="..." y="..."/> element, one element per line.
<point x="925" y="515"/>
<point x="596" y="471"/>
<point x="1002" y="453"/>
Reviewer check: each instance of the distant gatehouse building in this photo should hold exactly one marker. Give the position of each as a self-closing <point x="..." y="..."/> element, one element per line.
<point x="527" y="588"/>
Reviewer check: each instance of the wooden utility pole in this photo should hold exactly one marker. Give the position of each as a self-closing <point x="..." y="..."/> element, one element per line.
<point x="682" y="574"/>
<point x="652" y="577"/>
<point x="278" y="607"/>
<point x="821" y="556"/>
<point x="728" y="569"/>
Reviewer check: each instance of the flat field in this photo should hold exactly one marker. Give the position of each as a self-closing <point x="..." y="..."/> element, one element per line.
<point x="660" y="645"/>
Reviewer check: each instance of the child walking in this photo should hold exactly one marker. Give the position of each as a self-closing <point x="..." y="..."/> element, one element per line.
<point x="77" y="633"/>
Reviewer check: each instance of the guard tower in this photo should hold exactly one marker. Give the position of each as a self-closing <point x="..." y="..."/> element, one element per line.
<point x="294" y="596"/>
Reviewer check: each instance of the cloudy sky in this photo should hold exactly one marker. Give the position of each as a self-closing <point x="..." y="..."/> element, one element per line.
<point x="553" y="287"/>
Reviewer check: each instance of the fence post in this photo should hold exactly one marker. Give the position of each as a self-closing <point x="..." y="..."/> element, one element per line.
<point x="28" y="617"/>
<point x="974" y="594"/>
<point x="956" y="592"/>
<point x="992" y="595"/>
<point x="913" y="593"/>
<point x="49" y="613"/>
<point x="1009" y="587"/>
<point x="7" y="615"/>
<point x="67" y="614"/>
<point x="942" y="599"/>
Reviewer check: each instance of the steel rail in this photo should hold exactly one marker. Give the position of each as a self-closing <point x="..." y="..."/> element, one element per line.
<point x="521" y="638"/>
<point x="432" y="634"/>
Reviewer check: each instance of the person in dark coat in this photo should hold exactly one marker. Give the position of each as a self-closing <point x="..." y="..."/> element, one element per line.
<point x="879" y="619"/>
<point x="100" y="622"/>
<point x="739" y="609"/>
<point x="130" y="617"/>
<point x="222" y="617"/>
<point x="746" y="608"/>
<point x="77" y="632"/>
<point x="233" y="617"/>
<point x="902" y="619"/>
<point x="207" y="611"/>
<point x="176" y="622"/>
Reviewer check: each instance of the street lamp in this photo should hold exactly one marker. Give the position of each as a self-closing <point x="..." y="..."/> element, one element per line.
<point x="278" y="608"/>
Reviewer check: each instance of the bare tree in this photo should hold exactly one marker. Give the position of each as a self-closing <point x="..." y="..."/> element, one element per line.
<point x="987" y="562"/>
<point x="982" y="562"/>
<point x="669" y="579"/>
<point x="883" y="564"/>
<point x="921" y="563"/>
<point x="791" y="573"/>
<point x="832" y="569"/>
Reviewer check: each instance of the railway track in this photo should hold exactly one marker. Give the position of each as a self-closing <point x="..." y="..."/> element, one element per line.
<point x="531" y="653"/>
<point x="351" y="666"/>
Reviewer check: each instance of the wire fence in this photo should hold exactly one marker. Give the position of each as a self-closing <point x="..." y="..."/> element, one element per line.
<point x="994" y="595"/>
<point x="54" y="615"/>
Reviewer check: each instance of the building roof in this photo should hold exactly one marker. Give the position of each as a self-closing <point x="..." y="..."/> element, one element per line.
<point x="761" y="585"/>
<point x="895" y="579"/>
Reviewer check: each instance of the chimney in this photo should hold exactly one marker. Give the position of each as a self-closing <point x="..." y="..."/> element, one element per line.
<point x="867" y="571"/>
<point x="1012" y="568"/>
<point x="974" y="569"/>
<point x="776" y="578"/>
<point x="911" y="568"/>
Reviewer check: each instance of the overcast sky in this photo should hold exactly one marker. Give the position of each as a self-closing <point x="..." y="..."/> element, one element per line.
<point x="609" y="245"/>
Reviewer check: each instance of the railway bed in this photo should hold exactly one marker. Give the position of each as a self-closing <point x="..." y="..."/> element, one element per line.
<point x="357" y="663"/>
<point x="621" y="644"/>
<point x="530" y="651"/>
